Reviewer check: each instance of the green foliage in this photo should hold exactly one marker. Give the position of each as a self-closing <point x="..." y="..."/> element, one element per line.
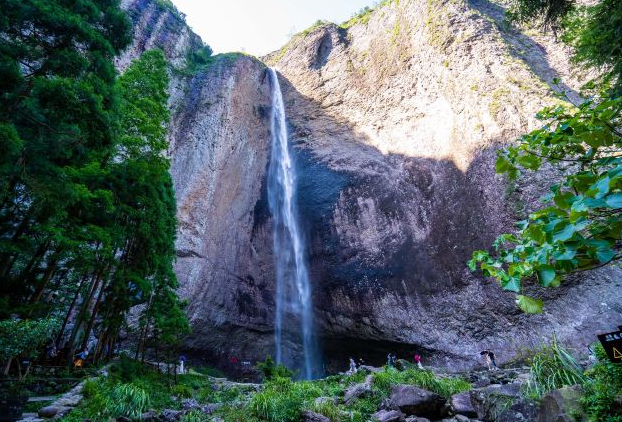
<point x="549" y="12"/>
<point x="283" y="400"/>
<point x="552" y="367"/>
<point x="445" y="386"/>
<point x="127" y="400"/>
<point x="24" y="337"/>
<point x="581" y="226"/>
<point x="195" y="416"/>
<point x="182" y="391"/>
<point x="603" y="388"/>
<point x="270" y="370"/>
<point x="87" y="208"/>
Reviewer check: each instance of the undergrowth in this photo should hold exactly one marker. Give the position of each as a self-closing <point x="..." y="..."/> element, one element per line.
<point x="552" y="367"/>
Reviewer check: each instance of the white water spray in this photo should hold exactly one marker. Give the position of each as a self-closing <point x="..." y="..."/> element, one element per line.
<point x="293" y="323"/>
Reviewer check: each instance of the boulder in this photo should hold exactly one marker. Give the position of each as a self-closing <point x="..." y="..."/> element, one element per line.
<point x="461" y="405"/>
<point x="461" y="418"/>
<point x="413" y="400"/>
<point x="522" y="410"/>
<point x="53" y="411"/>
<point x="388" y="416"/>
<point x="169" y="415"/>
<point x="150" y="416"/>
<point x="358" y="391"/>
<point x="308" y="416"/>
<point x="561" y="406"/>
<point x="208" y="409"/>
<point x="489" y="402"/>
<point x="416" y="419"/>
<point x="370" y="369"/>
<point x="48" y="411"/>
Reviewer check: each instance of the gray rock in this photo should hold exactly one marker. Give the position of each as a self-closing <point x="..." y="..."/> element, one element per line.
<point x="413" y="400"/>
<point x="416" y="419"/>
<point x="308" y="416"/>
<point x="48" y="411"/>
<point x="461" y="405"/>
<point x="461" y="418"/>
<point x="561" y="406"/>
<point x="489" y="402"/>
<point x="169" y="415"/>
<point x="208" y="409"/>
<point x="357" y="391"/>
<point x="150" y="416"/>
<point x="388" y="416"/>
<point x="522" y="410"/>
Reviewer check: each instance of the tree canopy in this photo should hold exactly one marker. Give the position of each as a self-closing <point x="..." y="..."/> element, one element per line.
<point x="87" y="207"/>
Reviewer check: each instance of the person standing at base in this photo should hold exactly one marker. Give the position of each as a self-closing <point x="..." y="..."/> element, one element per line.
<point x="490" y="359"/>
<point x="417" y="360"/>
<point x="352" y="367"/>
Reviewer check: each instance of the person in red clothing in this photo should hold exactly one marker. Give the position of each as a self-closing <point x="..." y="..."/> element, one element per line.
<point x="417" y="360"/>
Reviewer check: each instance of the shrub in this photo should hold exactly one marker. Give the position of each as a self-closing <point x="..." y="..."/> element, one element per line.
<point x="126" y="400"/>
<point x="182" y="391"/>
<point x="327" y="408"/>
<point x="195" y="416"/>
<point x="270" y="370"/>
<point x="283" y="400"/>
<point x="602" y="389"/>
<point x="552" y="367"/>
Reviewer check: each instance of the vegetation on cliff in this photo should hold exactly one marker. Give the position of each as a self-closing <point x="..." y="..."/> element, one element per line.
<point x="580" y="228"/>
<point x="87" y="210"/>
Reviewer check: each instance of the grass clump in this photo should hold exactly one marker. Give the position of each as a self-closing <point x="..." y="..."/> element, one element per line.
<point x="126" y="400"/>
<point x="283" y="400"/>
<point x="552" y="367"/>
<point x="426" y="379"/>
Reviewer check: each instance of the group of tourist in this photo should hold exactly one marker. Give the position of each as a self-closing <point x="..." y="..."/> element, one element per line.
<point x="488" y="355"/>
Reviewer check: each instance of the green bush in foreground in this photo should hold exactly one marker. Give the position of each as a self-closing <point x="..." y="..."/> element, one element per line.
<point x="283" y="400"/>
<point x="604" y="386"/>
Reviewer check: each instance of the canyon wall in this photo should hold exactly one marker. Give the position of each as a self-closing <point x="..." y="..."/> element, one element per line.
<point x="394" y="122"/>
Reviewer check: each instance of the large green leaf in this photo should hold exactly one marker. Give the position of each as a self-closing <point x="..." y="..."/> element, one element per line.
<point x="529" y="305"/>
<point x="546" y="275"/>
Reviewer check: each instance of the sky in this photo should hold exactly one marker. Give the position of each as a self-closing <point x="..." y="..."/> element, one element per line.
<point x="259" y="27"/>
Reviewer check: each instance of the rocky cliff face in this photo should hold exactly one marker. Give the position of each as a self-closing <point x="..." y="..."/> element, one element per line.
<point x="395" y="123"/>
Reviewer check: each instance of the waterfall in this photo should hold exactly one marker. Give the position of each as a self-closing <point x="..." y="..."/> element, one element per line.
<point x="293" y="324"/>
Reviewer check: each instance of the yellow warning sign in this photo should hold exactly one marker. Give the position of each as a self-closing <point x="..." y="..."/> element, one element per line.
<point x="616" y="354"/>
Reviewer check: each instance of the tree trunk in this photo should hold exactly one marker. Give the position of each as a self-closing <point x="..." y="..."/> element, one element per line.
<point x="68" y="314"/>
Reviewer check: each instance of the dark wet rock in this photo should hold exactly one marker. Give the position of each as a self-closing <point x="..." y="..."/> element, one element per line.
<point x="461" y="404"/>
<point x="522" y="410"/>
<point x="169" y="415"/>
<point x="489" y="402"/>
<point x="561" y="406"/>
<point x="388" y="416"/>
<point x="48" y="411"/>
<point x="308" y="416"/>
<point x="413" y="400"/>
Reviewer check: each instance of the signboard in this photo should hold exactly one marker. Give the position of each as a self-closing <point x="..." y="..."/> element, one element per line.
<point x="612" y="342"/>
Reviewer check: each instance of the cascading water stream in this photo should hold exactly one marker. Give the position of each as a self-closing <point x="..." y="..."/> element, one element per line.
<point x="294" y="309"/>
